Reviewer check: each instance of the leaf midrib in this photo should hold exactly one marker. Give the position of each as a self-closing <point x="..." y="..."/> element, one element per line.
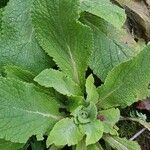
<point x="46" y="115"/>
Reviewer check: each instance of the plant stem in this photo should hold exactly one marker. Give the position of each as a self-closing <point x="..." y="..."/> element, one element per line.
<point x="137" y="134"/>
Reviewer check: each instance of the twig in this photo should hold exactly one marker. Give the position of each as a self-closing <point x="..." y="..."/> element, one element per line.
<point x="137" y="134"/>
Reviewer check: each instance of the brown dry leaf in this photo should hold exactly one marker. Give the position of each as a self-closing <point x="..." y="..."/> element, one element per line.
<point x="144" y="105"/>
<point x="138" y="11"/>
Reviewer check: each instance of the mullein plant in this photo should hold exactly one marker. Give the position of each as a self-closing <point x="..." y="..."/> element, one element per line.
<point x="63" y="104"/>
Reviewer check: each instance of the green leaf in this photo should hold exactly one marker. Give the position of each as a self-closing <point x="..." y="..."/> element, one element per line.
<point x="96" y="146"/>
<point x="18" y="73"/>
<point x="73" y="102"/>
<point x="65" y="132"/>
<point x="25" y="110"/>
<point x="110" y="46"/>
<point x="109" y="118"/>
<point x="92" y="94"/>
<point x="83" y="115"/>
<point x="53" y="147"/>
<point x="59" y="81"/>
<point x="63" y="37"/>
<point x="121" y="143"/>
<point x="127" y="83"/>
<point x="93" y="131"/>
<point x="7" y="145"/>
<point x="106" y="10"/>
<point x="18" y="45"/>
<point x="82" y="146"/>
<point x="92" y="111"/>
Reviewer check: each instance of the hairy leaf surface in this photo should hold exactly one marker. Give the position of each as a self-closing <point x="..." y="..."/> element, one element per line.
<point x="59" y="81"/>
<point x="18" y="45"/>
<point x="121" y="143"/>
<point x="18" y="73"/>
<point x="25" y="110"/>
<point x="65" y="132"/>
<point x="93" y="131"/>
<point x="106" y="10"/>
<point x="127" y="83"/>
<point x="109" y="118"/>
<point x="82" y="146"/>
<point x="110" y="46"/>
<point x="6" y="145"/>
<point x="96" y="146"/>
<point x="92" y="94"/>
<point x="63" y="37"/>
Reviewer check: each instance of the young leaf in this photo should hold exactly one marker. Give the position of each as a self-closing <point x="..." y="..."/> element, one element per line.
<point x="109" y="118"/>
<point x="82" y="146"/>
<point x="7" y="145"/>
<point x="59" y="81"/>
<point x="53" y="147"/>
<point x="127" y="83"/>
<point x="121" y="143"/>
<point x="110" y="48"/>
<point x="63" y="37"/>
<point x="91" y="90"/>
<point x="106" y="10"/>
<point x="25" y="110"/>
<point x="65" y="132"/>
<point x="18" y="45"/>
<point x="18" y="73"/>
<point x="96" y="146"/>
<point x="85" y="115"/>
<point x="93" y="131"/>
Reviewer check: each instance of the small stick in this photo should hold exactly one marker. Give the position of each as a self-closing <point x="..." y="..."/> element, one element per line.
<point x="137" y="134"/>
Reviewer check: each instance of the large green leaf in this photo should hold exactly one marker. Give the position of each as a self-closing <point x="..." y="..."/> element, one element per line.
<point x="110" y="46"/>
<point x="6" y="145"/>
<point x="127" y="83"/>
<point x="63" y="37"/>
<point x="93" y="131"/>
<point x="109" y="118"/>
<point x="18" y="45"/>
<point x="18" y="73"/>
<point x="106" y="10"/>
<point x="65" y="132"/>
<point x="25" y="110"/>
<point x="121" y="143"/>
<point x="59" y="81"/>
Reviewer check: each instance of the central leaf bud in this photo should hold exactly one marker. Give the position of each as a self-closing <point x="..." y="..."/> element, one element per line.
<point x="83" y="115"/>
